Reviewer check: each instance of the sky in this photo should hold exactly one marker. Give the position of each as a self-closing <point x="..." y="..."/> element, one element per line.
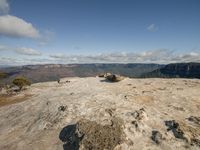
<point x="99" y="31"/>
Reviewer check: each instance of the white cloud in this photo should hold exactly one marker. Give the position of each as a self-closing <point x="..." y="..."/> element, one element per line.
<point x="152" y="27"/>
<point x="27" y="51"/>
<point x="188" y="57"/>
<point x="194" y="54"/>
<point x="21" y="50"/>
<point x="4" y="7"/>
<point x="10" y="61"/>
<point x="58" y="56"/>
<point x="16" y="27"/>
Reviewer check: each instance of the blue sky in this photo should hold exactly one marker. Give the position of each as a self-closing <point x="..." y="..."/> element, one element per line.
<point x="87" y="31"/>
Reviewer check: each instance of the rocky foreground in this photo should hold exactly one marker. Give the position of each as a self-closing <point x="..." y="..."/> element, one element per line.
<point x="91" y="113"/>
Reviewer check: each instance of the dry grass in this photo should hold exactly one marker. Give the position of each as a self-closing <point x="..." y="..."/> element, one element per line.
<point x="8" y="100"/>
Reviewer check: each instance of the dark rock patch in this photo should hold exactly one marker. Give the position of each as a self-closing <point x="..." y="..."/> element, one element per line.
<point x="62" y="108"/>
<point x="194" y="119"/>
<point x="184" y="131"/>
<point x="156" y="137"/>
<point x="174" y="127"/>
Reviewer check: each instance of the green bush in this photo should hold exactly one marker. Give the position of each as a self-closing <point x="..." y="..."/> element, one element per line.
<point x="21" y="82"/>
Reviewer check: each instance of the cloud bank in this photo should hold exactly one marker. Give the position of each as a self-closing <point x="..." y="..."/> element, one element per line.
<point x="27" y="51"/>
<point x="21" y="50"/>
<point x="161" y="56"/>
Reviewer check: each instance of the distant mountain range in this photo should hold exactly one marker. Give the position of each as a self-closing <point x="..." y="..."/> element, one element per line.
<point x="51" y="72"/>
<point x="177" y="70"/>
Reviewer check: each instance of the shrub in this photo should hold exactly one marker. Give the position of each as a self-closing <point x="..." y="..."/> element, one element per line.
<point x="3" y="75"/>
<point x="21" y="82"/>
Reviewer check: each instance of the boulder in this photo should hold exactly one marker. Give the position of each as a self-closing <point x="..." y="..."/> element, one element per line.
<point x="114" y="78"/>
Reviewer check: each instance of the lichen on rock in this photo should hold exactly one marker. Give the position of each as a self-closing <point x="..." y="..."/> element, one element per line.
<point x="86" y="134"/>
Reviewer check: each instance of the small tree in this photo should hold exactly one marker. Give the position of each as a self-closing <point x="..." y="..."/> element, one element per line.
<point x="21" y="82"/>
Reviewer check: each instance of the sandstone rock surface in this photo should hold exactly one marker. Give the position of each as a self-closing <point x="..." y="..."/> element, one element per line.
<point x="142" y="108"/>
